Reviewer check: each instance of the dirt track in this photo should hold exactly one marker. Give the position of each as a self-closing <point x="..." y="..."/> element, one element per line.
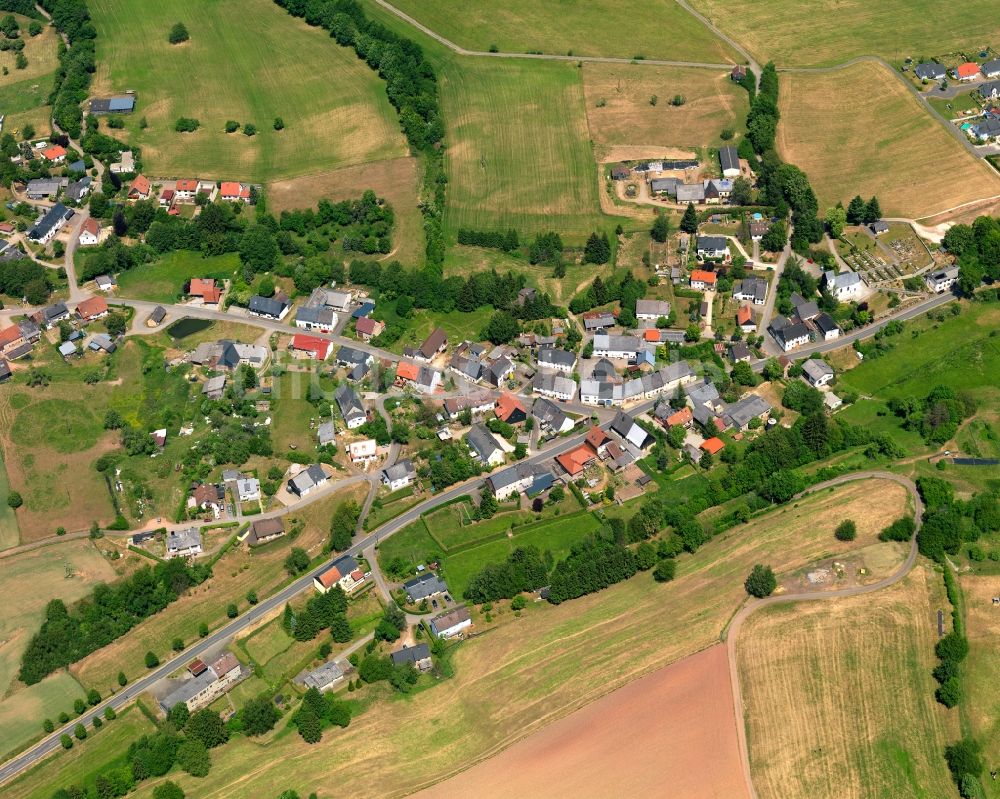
<point x="670" y="733"/>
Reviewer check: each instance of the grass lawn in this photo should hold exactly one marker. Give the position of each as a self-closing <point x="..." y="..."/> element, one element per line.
<point x="540" y="667"/>
<point x="959" y="105"/>
<point x="21" y="714"/>
<point x="660" y="29"/>
<point x="876" y="418"/>
<point x="390" y="509"/>
<point x="413" y="544"/>
<point x="536" y="175"/>
<point x="805" y="34"/>
<point x="628" y="118"/>
<point x="459" y="325"/>
<point x="87" y="759"/>
<point x="864" y="110"/>
<point x="979" y="439"/>
<point x="249" y="61"/>
<point x="163" y="280"/>
<point x="981" y="669"/>
<point x="291" y="412"/>
<point x="883" y="739"/>
<point x="24" y="92"/>
<point x="9" y="534"/>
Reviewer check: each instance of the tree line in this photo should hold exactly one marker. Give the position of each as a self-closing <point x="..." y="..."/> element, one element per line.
<point x="623" y="289"/>
<point x="76" y="63"/>
<point x="68" y="635"/>
<point x="977" y="249"/>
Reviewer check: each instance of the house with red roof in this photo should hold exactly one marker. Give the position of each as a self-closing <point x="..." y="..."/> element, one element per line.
<point x="167" y="197"/>
<point x="11" y="338"/>
<point x="231" y="191"/>
<point x="510" y="409"/>
<point x="90" y="233"/>
<point x="712" y="445"/>
<point x="576" y="460"/>
<point x="597" y="440"/>
<point x="186" y="189"/>
<point x="92" y="308"/>
<point x="683" y="417"/>
<point x="967" y="71"/>
<point x="204" y="288"/>
<point x="139" y="189"/>
<point x="56" y="154"/>
<point x="744" y="318"/>
<point x="407" y="371"/>
<point x="367" y="328"/>
<point x="702" y="279"/>
<point x="310" y="346"/>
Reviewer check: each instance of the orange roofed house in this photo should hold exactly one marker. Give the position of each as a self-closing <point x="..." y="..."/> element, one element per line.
<point x="56" y="154"/>
<point x="510" y="409"/>
<point x="230" y="191"/>
<point x="186" y="189"/>
<point x="205" y="289"/>
<point x="597" y="440"/>
<point x="139" y="190"/>
<point x="683" y="417"/>
<point x="312" y="346"/>
<point x="712" y="445"/>
<point x="967" y="71"/>
<point x="702" y="279"/>
<point x="744" y="318"/>
<point x="576" y="460"/>
<point x="92" y="308"/>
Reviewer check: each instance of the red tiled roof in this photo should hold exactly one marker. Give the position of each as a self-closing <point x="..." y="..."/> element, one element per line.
<point x="92" y="307"/>
<point x="9" y="335"/>
<point x="683" y="416"/>
<point x="651" y="335"/>
<point x="596" y="438"/>
<point x="712" y="445"/>
<point x="140" y="185"/>
<point x="575" y="460"/>
<point x="92" y="226"/>
<point x="319" y="346"/>
<point x="704" y="276"/>
<point x="54" y="152"/>
<point x="367" y="326"/>
<point x="167" y="194"/>
<point x="7" y="227"/>
<point x="187" y="184"/>
<point x="234" y="189"/>
<point x="407" y="371"/>
<point x="744" y="315"/>
<point x="330" y="577"/>
<point x="506" y="405"/>
<point x="205" y="288"/>
<point x="967" y="70"/>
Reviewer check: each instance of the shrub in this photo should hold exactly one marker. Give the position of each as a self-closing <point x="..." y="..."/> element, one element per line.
<point x="152" y="661"/>
<point x="847" y="530"/>
<point x="186" y="125"/>
<point x="900" y="530"/>
<point x="66" y="741"/>
<point x="761" y="581"/>
<point x="14" y="500"/>
<point x="665" y="570"/>
<point x="178" y="33"/>
<point x="232" y="126"/>
<point x="249" y="129"/>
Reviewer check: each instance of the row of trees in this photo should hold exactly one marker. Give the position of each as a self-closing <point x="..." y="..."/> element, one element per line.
<point x="322" y="612"/>
<point x="937" y="416"/>
<point x="623" y="289"/>
<point x="977" y="248"/>
<point x="525" y="569"/>
<point x="592" y="565"/>
<point x="76" y="63"/>
<point x="107" y="613"/>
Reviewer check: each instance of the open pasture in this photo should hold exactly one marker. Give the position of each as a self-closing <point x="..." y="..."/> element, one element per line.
<point x="981" y="670"/>
<point x="868" y="135"/>
<point x="247" y="61"/>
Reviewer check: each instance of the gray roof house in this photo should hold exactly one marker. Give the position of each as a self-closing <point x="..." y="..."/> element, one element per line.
<point x="651" y="310"/>
<point x="313" y="318"/>
<point x="78" y="190"/>
<point x="930" y="70"/>
<point x="306" y="480"/>
<point x="399" y="475"/>
<point x="817" y="372"/>
<point x="350" y="406"/>
<point x="350" y="356"/>
<point x="484" y="445"/>
<point x="325" y="434"/>
<point x="690" y="192"/>
<point x="750" y="289"/>
<point x="326" y="676"/>
<point x="740" y="413"/>
<point x="46" y="227"/>
<point x="426" y="585"/>
<point x="551" y="415"/>
<point x="554" y="358"/>
<point x="271" y="307"/>
<point x="418" y="656"/>
<point x="214" y="387"/>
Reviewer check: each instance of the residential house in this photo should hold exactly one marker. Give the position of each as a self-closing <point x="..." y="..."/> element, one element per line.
<point x="343" y="572"/>
<point x="729" y="159"/>
<point x="476" y="405"/>
<point x="758" y="228"/>
<point x="557" y="359"/>
<point x="816" y="372"/>
<point x="354" y="359"/>
<point x="327" y="676"/>
<point x="651" y="310"/>
<point x="713" y="446"/>
<point x="435" y="343"/>
<point x="139" y="188"/>
<point x="207" y="496"/>
<point x="740" y="352"/>
<point x="845" y="286"/>
<point x="466" y="365"/>
<point x="214" y="387"/>
<point x="990" y="91"/>
<point x="51" y="314"/>
<point x="655" y="383"/>
<point x="550" y="416"/>
<point x="418" y="656"/>
<point x="747" y="408"/>
<point x="424" y="586"/>
<point x="738" y="73"/>
<point x="185" y="189"/>
<point x="552" y="385"/>
<point x="205" y="289"/>
<point x="90" y="234"/>
<point x="307" y="480"/>
<point x="576" y="460"/>
<point x="717" y="191"/>
<point x="167" y="197"/>
<point x="788" y="334"/>
<point x="399" y="475"/>
<point x="745" y="320"/>
<point x="930" y="70"/>
<point x="672" y="418"/>
<point x="510" y="409"/>
<point x="29" y="329"/>
<point x="183" y="543"/>
<point x="79" y="189"/>
<point x="690" y="193"/>
<point x="310" y="347"/>
<point x="942" y="280"/>
<point x="625" y="426"/>
<point x="228" y="355"/>
<point x="351" y="407"/>
<point x="367" y="328"/>
<point x="452" y="623"/>
<point x="231" y="191"/>
<point x="522" y="477"/>
<point x="206" y="683"/>
<point x="608" y="346"/>
<point x="620" y="172"/>
<point x="805" y="311"/>
<point x="827" y="328"/>
<point x="666" y="186"/>
<point x="986" y="128"/>
<point x="750" y="289"/>
<point x="484" y="446"/>
<point x="967" y="71"/>
<point x="597" y="440"/>
<point x="248" y="489"/>
<point x="363" y="451"/>
<point x="705" y="401"/>
<point x="712" y="247"/>
<point x="991" y="68"/>
<point x="55" y="154"/>
<point x="702" y="280"/>
<point x="51" y="223"/>
<point x="268" y="307"/>
<point x="92" y="308"/>
<point x="498" y="371"/>
<point x="317" y="318"/>
<point x="424" y="379"/>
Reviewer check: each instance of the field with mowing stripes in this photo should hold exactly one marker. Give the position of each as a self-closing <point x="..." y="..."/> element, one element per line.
<point x="840" y="698"/>
<point x="24" y="92"/>
<point x="860" y="131"/>
<point x="793" y="33"/>
<point x="658" y="29"/>
<point x="248" y="61"/>
<point x="533" y="172"/>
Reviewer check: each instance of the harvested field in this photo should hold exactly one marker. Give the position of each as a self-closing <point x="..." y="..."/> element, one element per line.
<point x="810" y="735"/>
<point x="793" y="33"/>
<point x="866" y="112"/>
<point x="396" y="180"/>
<point x="247" y="61"/>
<point x="657" y="29"/>
<point x="533" y="670"/>
<point x="981" y="670"/>
<point x="592" y="752"/>
<point x="627" y="117"/>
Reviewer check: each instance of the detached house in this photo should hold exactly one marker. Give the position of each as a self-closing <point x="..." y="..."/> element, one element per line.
<point x="316" y="318"/>
<point x="712" y="247"/>
<point x="435" y="343"/>
<point x="140" y="188"/>
<point x="550" y="416"/>
<point x="510" y="409"/>
<point x="183" y="543"/>
<point x="205" y="289"/>
<point x="399" y="475"/>
<point x="942" y="280"/>
<point x="234" y="192"/>
<point x="484" y="446"/>
<point x="307" y="480"/>
<point x="745" y="320"/>
<point x="930" y="70"/>
<point x="651" y="310"/>
<point x="967" y="71"/>
<point x="844" y="286"/>
<point x="702" y="280"/>
<point x="557" y="359"/>
<point x="90" y="233"/>
<point x="268" y="307"/>
<point x="92" y="308"/>
<point x="816" y="372"/>
<point x="46" y="228"/>
<point x="367" y="328"/>
<point x="751" y="289"/>
<point x="350" y="407"/>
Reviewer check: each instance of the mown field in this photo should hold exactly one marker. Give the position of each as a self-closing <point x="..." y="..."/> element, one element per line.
<point x="659" y="29"/>
<point x="10" y="536"/>
<point x="839" y="696"/>
<point x="869" y="135"/>
<point x="40" y="50"/>
<point x="24" y="93"/>
<point x="832" y="31"/>
<point x="532" y="670"/>
<point x="163" y="280"/>
<point x="628" y="118"/>
<point x="249" y="61"/>
<point x="981" y="671"/>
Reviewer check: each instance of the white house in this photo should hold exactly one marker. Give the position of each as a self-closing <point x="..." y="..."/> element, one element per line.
<point x="316" y="318"/>
<point x="363" y="451"/>
<point x="248" y="489"/>
<point x="827" y="327"/>
<point x="844" y="286"/>
<point x="651" y="310"/>
<point x="715" y="247"/>
<point x="608" y="346"/>
<point x="816" y="372"/>
<point x="942" y="280"/>
<point x="399" y="475"/>
<point x="90" y="233"/>
<point x="554" y="386"/>
<point x="183" y="543"/>
<point x="557" y="359"/>
<point x="450" y="624"/>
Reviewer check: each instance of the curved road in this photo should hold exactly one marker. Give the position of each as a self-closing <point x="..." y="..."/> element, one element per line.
<point x="732" y="633"/>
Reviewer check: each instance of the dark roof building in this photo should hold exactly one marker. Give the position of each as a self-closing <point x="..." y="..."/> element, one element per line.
<point x="426" y="585"/>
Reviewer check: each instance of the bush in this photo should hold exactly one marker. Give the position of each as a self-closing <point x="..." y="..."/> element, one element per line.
<point x="232" y="126"/>
<point x="761" y="581"/>
<point x="168" y="790"/>
<point x="66" y="741"/>
<point x="152" y="661"/>
<point x="900" y="530"/>
<point x="665" y="570"/>
<point x="14" y="500"/>
<point x="178" y="33"/>
<point x="186" y="125"/>
<point x="249" y="129"/>
<point x="232" y="611"/>
<point x="847" y="530"/>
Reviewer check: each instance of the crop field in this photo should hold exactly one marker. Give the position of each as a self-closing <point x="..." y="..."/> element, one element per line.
<point x="627" y="117"/>
<point x="981" y="670"/>
<point x="247" y="61"/>
<point x="882" y="738"/>
<point x="866" y="112"/>
<point x="536" y="669"/>
<point x="831" y="31"/>
<point x="103" y="748"/>
<point x="163" y="280"/>
<point x="659" y="29"/>
<point x="396" y="180"/>
<point x="536" y="175"/>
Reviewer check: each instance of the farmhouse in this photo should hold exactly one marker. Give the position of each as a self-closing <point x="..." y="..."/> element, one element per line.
<point x="307" y="480"/>
<point x="484" y="446"/>
<point x="816" y="372"/>
<point x="942" y="280"/>
<point x="214" y="387"/>
<point x="435" y="343"/>
<point x="92" y="308"/>
<point x="930" y="70"/>
<point x="498" y="371"/>
<point x="268" y="307"/>
<point x="206" y="683"/>
<point x="730" y="161"/>
<point x="717" y="191"/>
<point x="183" y="543"/>
<point x="651" y="310"/>
<point x="552" y="385"/>
<point x="363" y="451"/>
<point x="50" y="224"/>
<point x="350" y="406"/>
<point x="231" y="191"/>
<point x="120" y="104"/>
<point x="263" y="531"/>
<point x="522" y="477"/>
<point x="557" y="359"/>
<point x="450" y="624"/>
<point x="751" y="289"/>
<point x="366" y="328"/>
<point x="327" y="676"/>
<point x="598" y="320"/>
<point x="321" y="319"/>
<point x="550" y="416"/>
<point x="424" y="586"/>
<point x="712" y="247"/>
<point x="845" y="285"/>
<point x="607" y="346"/>
<point x="43" y="188"/>
<point x="629" y="430"/>
<point x="205" y="289"/>
<point x="90" y="233"/>
<point x="702" y="280"/>
<point x="399" y="475"/>
<point x="310" y="346"/>
<point x="475" y="405"/>
<point x="510" y="409"/>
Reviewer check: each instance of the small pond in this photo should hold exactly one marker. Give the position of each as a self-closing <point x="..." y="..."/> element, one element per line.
<point x="183" y="328"/>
